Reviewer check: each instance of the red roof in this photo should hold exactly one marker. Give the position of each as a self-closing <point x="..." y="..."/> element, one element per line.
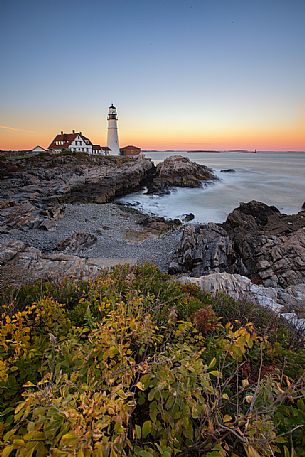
<point x="97" y="147"/>
<point x="130" y="147"/>
<point x="67" y="139"/>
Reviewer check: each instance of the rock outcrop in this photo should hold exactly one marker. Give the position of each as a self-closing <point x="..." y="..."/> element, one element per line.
<point x="202" y="250"/>
<point x="256" y="241"/>
<point x="285" y="303"/>
<point x="34" y="189"/>
<point x="22" y="264"/>
<point x="178" y="171"/>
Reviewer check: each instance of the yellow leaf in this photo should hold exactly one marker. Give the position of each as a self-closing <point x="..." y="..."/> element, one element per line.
<point x="225" y="396"/>
<point x="7" y="451"/>
<point x="216" y="373"/>
<point x="227" y="418"/>
<point x="29" y="384"/>
<point x="251" y="452"/>
<point x="19" y="407"/>
<point x="140" y="386"/>
<point x="249" y="398"/>
<point x="69" y="437"/>
<point x="18" y="442"/>
<point x="245" y="382"/>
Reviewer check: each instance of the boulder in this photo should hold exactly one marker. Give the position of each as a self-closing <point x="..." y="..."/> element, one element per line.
<point x="188" y="217"/>
<point x="179" y="171"/>
<point x="76" y="242"/>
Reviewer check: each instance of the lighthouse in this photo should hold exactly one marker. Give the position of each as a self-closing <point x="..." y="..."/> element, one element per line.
<point x="113" y="138"/>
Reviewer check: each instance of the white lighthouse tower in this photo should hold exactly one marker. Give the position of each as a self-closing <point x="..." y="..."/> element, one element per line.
<point x="113" y="138"/>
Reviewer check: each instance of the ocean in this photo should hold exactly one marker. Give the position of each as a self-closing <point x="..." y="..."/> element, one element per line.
<point x="275" y="178"/>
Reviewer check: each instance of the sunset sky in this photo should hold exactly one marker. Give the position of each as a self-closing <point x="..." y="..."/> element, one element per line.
<point x="184" y="74"/>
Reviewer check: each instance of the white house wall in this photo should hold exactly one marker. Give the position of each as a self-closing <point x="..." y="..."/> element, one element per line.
<point x="83" y="147"/>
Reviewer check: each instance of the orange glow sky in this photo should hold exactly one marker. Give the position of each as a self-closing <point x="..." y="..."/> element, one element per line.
<point x="183" y="74"/>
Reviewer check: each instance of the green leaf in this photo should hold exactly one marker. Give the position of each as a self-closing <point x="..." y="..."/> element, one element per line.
<point x="138" y="432"/>
<point x="35" y="436"/>
<point x="146" y="428"/>
<point x="212" y="363"/>
<point x="9" y="434"/>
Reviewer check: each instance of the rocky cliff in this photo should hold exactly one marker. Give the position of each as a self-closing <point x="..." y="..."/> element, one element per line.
<point x="256" y="241"/>
<point x="33" y="188"/>
<point x="257" y="255"/>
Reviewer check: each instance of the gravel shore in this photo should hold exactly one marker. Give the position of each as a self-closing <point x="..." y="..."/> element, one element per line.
<point x="117" y="229"/>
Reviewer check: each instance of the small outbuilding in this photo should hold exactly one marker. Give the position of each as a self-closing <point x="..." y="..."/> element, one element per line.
<point x="132" y="152"/>
<point x="98" y="149"/>
<point x="39" y="149"/>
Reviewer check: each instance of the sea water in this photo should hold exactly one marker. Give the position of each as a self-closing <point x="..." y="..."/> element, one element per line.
<point x="275" y="178"/>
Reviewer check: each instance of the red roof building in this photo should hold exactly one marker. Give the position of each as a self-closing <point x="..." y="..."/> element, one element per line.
<point x="133" y="152"/>
<point x="76" y="142"/>
<point x="97" y="149"/>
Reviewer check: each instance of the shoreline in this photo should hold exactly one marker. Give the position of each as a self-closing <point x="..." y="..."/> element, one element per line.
<point x="103" y="231"/>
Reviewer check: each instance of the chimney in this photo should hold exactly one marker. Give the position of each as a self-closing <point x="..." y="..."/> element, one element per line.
<point x="73" y="131"/>
<point x="62" y="132"/>
<point x="80" y="133"/>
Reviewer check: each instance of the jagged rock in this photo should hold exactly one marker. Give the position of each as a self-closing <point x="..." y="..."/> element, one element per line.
<point x="6" y="203"/>
<point x="76" y="242"/>
<point x="255" y="241"/>
<point x="250" y="215"/>
<point x="203" y="249"/>
<point x="178" y="171"/>
<point x="21" y="215"/>
<point x="228" y="170"/>
<point x="303" y="207"/>
<point x="51" y="216"/>
<point x="188" y="217"/>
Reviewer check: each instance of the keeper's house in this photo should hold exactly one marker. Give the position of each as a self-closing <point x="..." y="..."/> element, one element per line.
<point x="76" y="142"/>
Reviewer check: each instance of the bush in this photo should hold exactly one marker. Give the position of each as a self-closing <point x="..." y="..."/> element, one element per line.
<point x="132" y="363"/>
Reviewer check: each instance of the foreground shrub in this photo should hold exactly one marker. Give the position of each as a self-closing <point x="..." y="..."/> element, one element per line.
<point x="138" y="365"/>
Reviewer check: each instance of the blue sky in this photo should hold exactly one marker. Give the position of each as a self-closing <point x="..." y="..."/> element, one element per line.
<point x="208" y="73"/>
